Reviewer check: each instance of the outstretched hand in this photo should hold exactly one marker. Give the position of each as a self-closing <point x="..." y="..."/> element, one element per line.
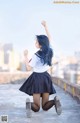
<point x="26" y="53"/>
<point x="43" y="23"/>
<point x="46" y="29"/>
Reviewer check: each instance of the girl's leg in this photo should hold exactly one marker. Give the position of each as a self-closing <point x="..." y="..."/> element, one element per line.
<point x="46" y="104"/>
<point x="35" y="106"/>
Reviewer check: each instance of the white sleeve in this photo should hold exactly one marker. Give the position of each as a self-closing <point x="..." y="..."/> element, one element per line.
<point x="33" y="61"/>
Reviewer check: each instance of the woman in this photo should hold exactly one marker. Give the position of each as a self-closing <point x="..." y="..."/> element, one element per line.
<point x="39" y="84"/>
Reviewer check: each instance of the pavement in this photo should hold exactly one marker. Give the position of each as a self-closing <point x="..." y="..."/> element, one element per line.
<point x="12" y="105"/>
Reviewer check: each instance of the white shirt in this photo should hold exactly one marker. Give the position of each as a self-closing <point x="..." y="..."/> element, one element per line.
<point x="37" y="65"/>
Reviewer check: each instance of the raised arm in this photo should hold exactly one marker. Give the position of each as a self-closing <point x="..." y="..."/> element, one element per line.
<point x="46" y="29"/>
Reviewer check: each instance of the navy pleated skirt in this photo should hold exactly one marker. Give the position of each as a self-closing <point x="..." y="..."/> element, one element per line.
<point x="38" y="83"/>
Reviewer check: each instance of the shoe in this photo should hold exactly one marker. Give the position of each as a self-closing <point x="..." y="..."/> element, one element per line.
<point x="57" y="105"/>
<point x="28" y="107"/>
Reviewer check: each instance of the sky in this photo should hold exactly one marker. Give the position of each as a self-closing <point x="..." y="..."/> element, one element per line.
<point x="20" y="21"/>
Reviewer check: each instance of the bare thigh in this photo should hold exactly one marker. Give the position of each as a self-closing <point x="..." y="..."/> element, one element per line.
<point x="45" y="98"/>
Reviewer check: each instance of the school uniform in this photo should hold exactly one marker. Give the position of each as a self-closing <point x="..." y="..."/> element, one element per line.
<point x="40" y="80"/>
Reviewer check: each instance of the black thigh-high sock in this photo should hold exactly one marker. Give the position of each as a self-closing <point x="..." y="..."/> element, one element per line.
<point x="48" y="105"/>
<point x="35" y="107"/>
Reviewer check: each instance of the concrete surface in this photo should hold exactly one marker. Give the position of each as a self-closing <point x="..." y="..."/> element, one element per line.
<point x="12" y="103"/>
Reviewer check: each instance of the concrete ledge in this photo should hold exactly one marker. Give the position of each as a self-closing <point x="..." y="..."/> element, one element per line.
<point x="7" y="77"/>
<point x="71" y="88"/>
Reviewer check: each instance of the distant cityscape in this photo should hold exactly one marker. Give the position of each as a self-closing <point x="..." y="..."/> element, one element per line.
<point x="9" y="59"/>
<point x="64" y="67"/>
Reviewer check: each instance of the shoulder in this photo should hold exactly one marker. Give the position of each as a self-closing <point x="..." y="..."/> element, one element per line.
<point x="33" y="60"/>
<point x="35" y="57"/>
<point x="38" y="54"/>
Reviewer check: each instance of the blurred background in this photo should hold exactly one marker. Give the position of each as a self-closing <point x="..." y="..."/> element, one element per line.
<point x="20" y="21"/>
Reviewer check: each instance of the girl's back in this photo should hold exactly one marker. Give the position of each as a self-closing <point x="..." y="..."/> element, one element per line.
<point x="37" y="65"/>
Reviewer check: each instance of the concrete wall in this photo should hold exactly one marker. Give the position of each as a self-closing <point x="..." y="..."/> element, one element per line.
<point x="7" y="77"/>
<point x="71" y="88"/>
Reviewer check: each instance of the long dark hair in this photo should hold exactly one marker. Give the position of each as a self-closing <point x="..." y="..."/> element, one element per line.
<point x="45" y="53"/>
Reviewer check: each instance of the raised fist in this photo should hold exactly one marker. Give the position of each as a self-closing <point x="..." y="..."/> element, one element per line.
<point x="43" y="23"/>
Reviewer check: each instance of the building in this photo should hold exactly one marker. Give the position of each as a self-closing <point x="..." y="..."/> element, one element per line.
<point x="72" y="69"/>
<point x="9" y="59"/>
<point x="7" y="49"/>
<point x="1" y="56"/>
